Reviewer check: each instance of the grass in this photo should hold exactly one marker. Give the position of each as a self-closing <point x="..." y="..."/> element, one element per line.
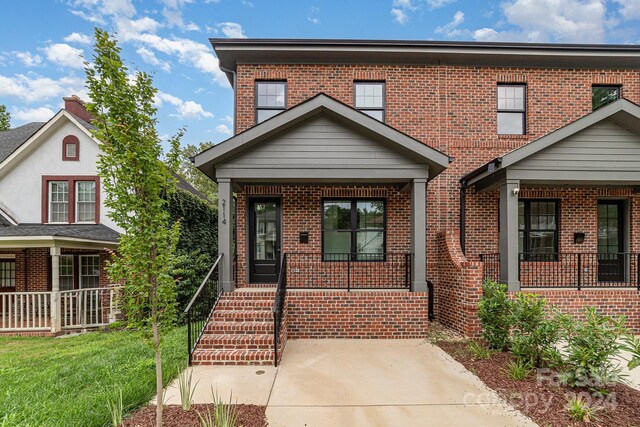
<point x="70" y="381"/>
<point x="479" y="351"/>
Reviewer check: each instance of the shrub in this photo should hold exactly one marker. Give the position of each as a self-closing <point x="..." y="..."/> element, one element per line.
<point x="632" y="345"/>
<point x="479" y="351"/>
<point x="580" y="410"/>
<point x="190" y="270"/>
<point x="494" y="310"/>
<point x="534" y="334"/>
<point x="185" y="388"/>
<point x="518" y="369"/>
<point x="590" y="346"/>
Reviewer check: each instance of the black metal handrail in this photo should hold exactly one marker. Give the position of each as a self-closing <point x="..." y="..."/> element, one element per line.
<point x="570" y="270"/>
<point x="316" y="270"/>
<point x="278" y="307"/>
<point x="201" y="306"/>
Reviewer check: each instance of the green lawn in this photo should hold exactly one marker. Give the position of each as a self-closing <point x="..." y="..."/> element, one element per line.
<point x="68" y="381"/>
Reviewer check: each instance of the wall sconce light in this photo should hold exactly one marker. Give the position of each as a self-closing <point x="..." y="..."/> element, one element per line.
<point x="516" y="191"/>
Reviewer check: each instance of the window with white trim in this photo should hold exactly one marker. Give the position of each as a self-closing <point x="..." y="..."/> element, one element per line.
<point x="85" y="201"/>
<point x="58" y="201"/>
<point x="89" y="271"/>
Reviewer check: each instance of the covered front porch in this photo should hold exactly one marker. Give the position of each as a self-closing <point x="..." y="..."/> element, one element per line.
<point x="568" y="205"/>
<point x="325" y="195"/>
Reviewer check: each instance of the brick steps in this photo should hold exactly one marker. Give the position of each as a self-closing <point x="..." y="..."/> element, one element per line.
<point x="240" y="331"/>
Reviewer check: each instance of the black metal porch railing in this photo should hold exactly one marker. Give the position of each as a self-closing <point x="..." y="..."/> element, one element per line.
<point x="201" y="306"/>
<point x="308" y="270"/>
<point x="278" y="307"/>
<point x="570" y="270"/>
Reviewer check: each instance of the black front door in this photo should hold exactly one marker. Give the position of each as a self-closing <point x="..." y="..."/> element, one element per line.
<point x="611" y="259"/>
<point x="264" y="240"/>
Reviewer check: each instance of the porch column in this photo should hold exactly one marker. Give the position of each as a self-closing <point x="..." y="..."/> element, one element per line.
<point x="225" y="233"/>
<point x="508" y="243"/>
<point x="56" y="318"/>
<point x="419" y="235"/>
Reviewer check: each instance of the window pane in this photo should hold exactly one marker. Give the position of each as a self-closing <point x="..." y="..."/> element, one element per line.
<point x="65" y="270"/>
<point x="369" y="242"/>
<point x="603" y="95"/>
<point x="266" y="238"/>
<point x="86" y="201"/>
<point x="267" y="114"/>
<point x="520" y="242"/>
<point x="71" y="150"/>
<point x="7" y="274"/>
<point x="337" y="242"/>
<point x="59" y="201"/>
<point x="510" y="123"/>
<point x="542" y="241"/>
<point x="376" y="114"/>
<point x="89" y="271"/>
<point x="369" y="95"/>
<point x="370" y="214"/>
<point x="271" y="94"/>
<point x="520" y="215"/>
<point x="511" y="98"/>
<point x="337" y="215"/>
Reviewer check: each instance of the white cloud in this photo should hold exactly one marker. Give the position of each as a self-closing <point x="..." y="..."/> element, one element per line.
<point x="173" y="14"/>
<point x="227" y="119"/>
<point x="437" y="4"/>
<point x="38" y="88"/>
<point x="150" y="58"/>
<point x="451" y="29"/>
<point x="28" y="59"/>
<point x="404" y="4"/>
<point x="232" y="30"/>
<point x="78" y="38"/>
<point x="65" y="55"/>
<point x="224" y="129"/>
<point x="312" y="17"/>
<point x="26" y="115"/>
<point x="399" y="16"/>
<point x="90" y="17"/>
<point x="629" y="9"/>
<point x="568" y="21"/>
<point x="188" y="110"/>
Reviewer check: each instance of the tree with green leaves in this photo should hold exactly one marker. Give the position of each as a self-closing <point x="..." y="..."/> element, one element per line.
<point x="136" y="182"/>
<point x="5" y="118"/>
<point x="194" y="176"/>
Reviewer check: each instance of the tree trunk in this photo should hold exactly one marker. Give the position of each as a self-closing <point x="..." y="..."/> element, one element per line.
<point x="159" y="394"/>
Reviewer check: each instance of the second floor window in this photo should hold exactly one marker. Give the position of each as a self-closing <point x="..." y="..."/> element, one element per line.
<point x="271" y="99"/>
<point x="370" y="99"/>
<point x="70" y="200"/>
<point x="85" y="201"/>
<point x="603" y="95"/>
<point x="58" y="201"/>
<point x="511" y="109"/>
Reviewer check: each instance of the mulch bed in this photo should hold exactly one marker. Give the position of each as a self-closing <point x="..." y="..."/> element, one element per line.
<point x="545" y="401"/>
<point x="174" y="416"/>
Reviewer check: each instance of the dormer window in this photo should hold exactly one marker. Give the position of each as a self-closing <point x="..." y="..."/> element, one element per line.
<point x="71" y="148"/>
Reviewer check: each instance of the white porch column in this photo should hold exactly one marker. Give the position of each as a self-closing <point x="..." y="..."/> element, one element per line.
<point x="509" y="234"/>
<point x="225" y="233"/>
<point x="419" y="235"/>
<point x="56" y="318"/>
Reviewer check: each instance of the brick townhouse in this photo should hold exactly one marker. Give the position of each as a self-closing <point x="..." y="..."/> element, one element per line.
<point x="381" y="166"/>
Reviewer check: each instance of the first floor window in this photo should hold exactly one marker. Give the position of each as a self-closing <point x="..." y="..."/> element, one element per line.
<point x="538" y="230"/>
<point x="58" y="201"/>
<point x="65" y="270"/>
<point x="89" y="271"/>
<point x="85" y="201"/>
<point x="353" y="229"/>
<point x="7" y="273"/>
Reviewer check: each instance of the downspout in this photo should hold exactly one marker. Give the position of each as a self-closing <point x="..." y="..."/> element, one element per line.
<point x="235" y="95"/>
<point x="463" y="222"/>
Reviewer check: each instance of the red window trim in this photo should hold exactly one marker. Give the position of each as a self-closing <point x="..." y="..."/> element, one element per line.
<point x="69" y="140"/>
<point x="72" y="195"/>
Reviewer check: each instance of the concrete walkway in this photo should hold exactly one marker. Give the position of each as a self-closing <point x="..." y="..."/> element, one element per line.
<point x="359" y="383"/>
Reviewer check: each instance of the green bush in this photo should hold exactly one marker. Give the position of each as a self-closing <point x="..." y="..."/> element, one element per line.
<point x="535" y="333"/>
<point x="190" y="271"/>
<point x="590" y="346"/>
<point x="494" y="310"/>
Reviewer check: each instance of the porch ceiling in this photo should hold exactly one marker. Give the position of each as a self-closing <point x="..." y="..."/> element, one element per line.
<point x="599" y="149"/>
<point x="321" y="141"/>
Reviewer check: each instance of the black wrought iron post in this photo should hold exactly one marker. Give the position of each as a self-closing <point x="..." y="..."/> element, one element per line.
<point x="579" y="271"/>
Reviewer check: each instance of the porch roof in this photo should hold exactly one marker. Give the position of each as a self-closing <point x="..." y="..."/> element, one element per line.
<point x="321" y="140"/>
<point x="601" y="148"/>
<point x="68" y="235"/>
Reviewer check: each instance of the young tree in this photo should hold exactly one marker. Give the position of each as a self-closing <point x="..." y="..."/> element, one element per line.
<point x="136" y="181"/>
<point x="5" y="118"/>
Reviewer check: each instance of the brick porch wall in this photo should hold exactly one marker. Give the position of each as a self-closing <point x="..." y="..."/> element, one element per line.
<point x="357" y="315"/>
<point x="302" y="211"/>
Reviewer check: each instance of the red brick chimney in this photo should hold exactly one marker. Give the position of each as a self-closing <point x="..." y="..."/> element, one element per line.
<point x="75" y="105"/>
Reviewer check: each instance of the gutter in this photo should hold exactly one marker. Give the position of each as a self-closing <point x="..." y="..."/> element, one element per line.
<point x="235" y="93"/>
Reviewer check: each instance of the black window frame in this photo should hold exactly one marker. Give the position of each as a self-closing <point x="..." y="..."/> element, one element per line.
<point x="618" y="89"/>
<point x="523" y="111"/>
<point x="526" y="245"/>
<point x="384" y="97"/>
<point x="353" y="256"/>
<point x="11" y="269"/>
<point x="259" y="108"/>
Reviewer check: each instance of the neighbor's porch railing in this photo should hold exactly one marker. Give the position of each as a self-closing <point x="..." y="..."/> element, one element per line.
<point x="79" y="308"/>
<point x="201" y="306"/>
<point x="348" y="271"/>
<point x="570" y="270"/>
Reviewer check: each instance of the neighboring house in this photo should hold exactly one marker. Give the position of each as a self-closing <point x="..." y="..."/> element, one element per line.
<point x="423" y="166"/>
<point x="54" y="230"/>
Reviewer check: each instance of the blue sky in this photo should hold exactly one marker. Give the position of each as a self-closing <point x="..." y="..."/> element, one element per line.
<point x="42" y="41"/>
